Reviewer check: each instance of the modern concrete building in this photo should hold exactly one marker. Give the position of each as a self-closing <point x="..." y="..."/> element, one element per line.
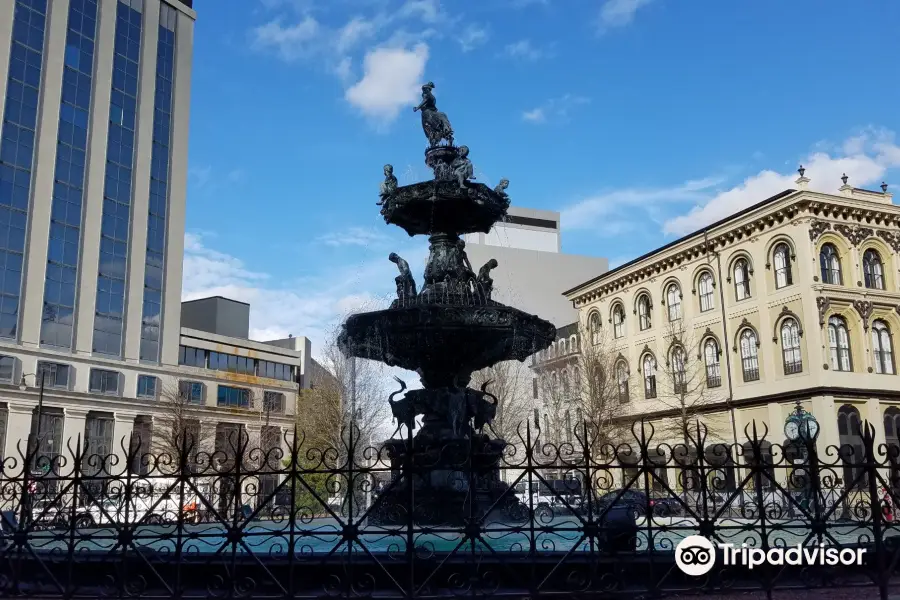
<point x="532" y="271"/>
<point x="794" y="299"/>
<point x="93" y="171"/>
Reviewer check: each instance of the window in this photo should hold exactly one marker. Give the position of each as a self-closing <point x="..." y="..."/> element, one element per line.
<point x="577" y="379"/>
<point x="618" y="318"/>
<point x="595" y="328"/>
<point x="741" y="279"/>
<point x="830" y="264"/>
<point x="678" y="370"/>
<point x="191" y="357"/>
<point x="104" y="382"/>
<point x="232" y="363"/>
<point x="534" y="388"/>
<point x="711" y="357"/>
<point x="190" y="392"/>
<point x="781" y="257"/>
<point x="55" y="375"/>
<point x="233" y="397"/>
<point x="839" y="340"/>
<point x="274" y="370"/>
<point x="649" y="376"/>
<point x="873" y="270"/>
<point x="7" y="368"/>
<point x="573" y="341"/>
<point x="790" y="347"/>
<point x="147" y="386"/>
<point x="673" y="302"/>
<point x="882" y="348"/>
<point x="273" y="402"/>
<point x="643" y="310"/>
<point x="4" y="417"/>
<point x="705" y="286"/>
<point x="98" y="436"/>
<point x="749" y="355"/>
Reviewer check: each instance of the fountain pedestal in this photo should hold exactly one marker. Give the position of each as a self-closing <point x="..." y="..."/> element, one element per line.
<point x="450" y="469"/>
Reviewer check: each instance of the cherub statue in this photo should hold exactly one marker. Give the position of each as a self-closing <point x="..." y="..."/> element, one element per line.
<point x="500" y="190"/>
<point x="484" y="281"/>
<point x="389" y="185"/>
<point x="462" y="167"/>
<point x="406" y="285"/>
<point x="467" y="266"/>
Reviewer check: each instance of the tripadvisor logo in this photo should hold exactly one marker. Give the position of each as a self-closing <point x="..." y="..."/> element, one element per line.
<point x="695" y="555"/>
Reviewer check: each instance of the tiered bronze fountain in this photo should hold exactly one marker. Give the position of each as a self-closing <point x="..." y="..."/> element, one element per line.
<point x="445" y="332"/>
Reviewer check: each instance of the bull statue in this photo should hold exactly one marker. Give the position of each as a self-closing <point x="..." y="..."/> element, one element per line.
<point x="483" y="411"/>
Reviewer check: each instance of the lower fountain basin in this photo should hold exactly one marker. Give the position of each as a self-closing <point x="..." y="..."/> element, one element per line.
<point x="445" y="344"/>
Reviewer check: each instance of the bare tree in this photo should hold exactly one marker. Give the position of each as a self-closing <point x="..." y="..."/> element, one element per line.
<point x="604" y="386"/>
<point x="178" y="427"/>
<point x="509" y="382"/>
<point x="684" y="386"/>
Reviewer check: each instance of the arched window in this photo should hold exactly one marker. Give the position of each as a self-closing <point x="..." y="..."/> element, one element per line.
<point x="567" y="388"/>
<point x="830" y="263"/>
<point x="555" y="382"/>
<point x="577" y="379"/>
<point x="622" y="381"/>
<point x="839" y="340"/>
<point x="562" y="347"/>
<point x="741" y="279"/>
<point x="705" y="287"/>
<point x="749" y="355"/>
<point x="649" y="376"/>
<point x="790" y="347"/>
<point x="873" y="270"/>
<point x="673" y="302"/>
<point x="781" y="258"/>
<point x="711" y="357"/>
<point x="643" y="309"/>
<point x="882" y="349"/>
<point x="852" y="450"/>
<point x="573" y="341"/>
<point x="679" y="377"/>
<point x="618" y="319"/>
<point x="595" y="328"/>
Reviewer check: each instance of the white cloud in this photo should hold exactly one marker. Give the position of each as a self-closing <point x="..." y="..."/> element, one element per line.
<point x="428" y="11"/>
<point x="558" y="108"/>
<point x="391" y="80"/>
<point x="472" y="37"/>
<point x="353" y="32"/>
<point x="535" y="115"/>
<point x="524" y="50"/>
<point x="289" y="42"/>
<point x="618" y="13"/>
<point x="353" y="236"/>
<point x="864" y="158"/>
<point x="310" y="307"/>
<point x="594" y="210"/>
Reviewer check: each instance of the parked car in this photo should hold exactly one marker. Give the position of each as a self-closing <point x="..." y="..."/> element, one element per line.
<point x="638" y="503"/>
<point x="550" y="498"/>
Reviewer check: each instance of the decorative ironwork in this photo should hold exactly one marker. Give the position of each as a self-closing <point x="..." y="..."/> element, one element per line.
<point x="591" y="515"/>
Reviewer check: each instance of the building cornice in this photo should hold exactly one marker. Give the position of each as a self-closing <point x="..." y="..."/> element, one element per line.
<point x="847" y="218"/>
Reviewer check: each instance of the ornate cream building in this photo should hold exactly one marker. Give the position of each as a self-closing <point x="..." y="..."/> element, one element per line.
<point x="796" y="298"/>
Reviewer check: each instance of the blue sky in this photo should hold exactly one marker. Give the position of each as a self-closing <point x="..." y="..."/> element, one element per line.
<point x="639" y="120"/>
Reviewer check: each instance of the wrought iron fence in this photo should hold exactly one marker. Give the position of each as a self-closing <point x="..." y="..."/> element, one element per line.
<point x="590" y="518"/>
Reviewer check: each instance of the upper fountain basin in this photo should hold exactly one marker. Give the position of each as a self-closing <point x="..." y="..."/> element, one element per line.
<point x="444" y="207"/>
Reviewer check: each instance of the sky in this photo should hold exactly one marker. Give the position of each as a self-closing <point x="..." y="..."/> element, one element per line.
<point x="639" y="120"/>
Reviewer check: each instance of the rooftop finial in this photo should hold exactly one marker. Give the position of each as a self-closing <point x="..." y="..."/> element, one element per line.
<point x="883" y="188"/>
<point x="802" y="171"/>
<point x="844" y="178"/>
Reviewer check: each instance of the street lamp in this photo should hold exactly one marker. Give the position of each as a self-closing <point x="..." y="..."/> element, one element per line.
<point x="802" y="429"/>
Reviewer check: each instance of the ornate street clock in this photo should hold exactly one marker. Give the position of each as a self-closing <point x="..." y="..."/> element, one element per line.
<point x="801" y="425"/>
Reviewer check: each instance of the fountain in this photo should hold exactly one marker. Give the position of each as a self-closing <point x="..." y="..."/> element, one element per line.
<point x="445" y="332"/>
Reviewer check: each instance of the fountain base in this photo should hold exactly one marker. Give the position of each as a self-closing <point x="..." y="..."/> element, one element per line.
<point x="448" y="483"/>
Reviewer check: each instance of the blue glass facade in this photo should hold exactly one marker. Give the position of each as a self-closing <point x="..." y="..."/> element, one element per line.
<point x="17" y="152"/>
<point x="68" y="183"/>
<point x="118" y="193"/>
<point x="151" y="315"/>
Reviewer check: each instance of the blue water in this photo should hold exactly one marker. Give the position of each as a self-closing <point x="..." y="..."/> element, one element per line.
<point x="324" y="536"/>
